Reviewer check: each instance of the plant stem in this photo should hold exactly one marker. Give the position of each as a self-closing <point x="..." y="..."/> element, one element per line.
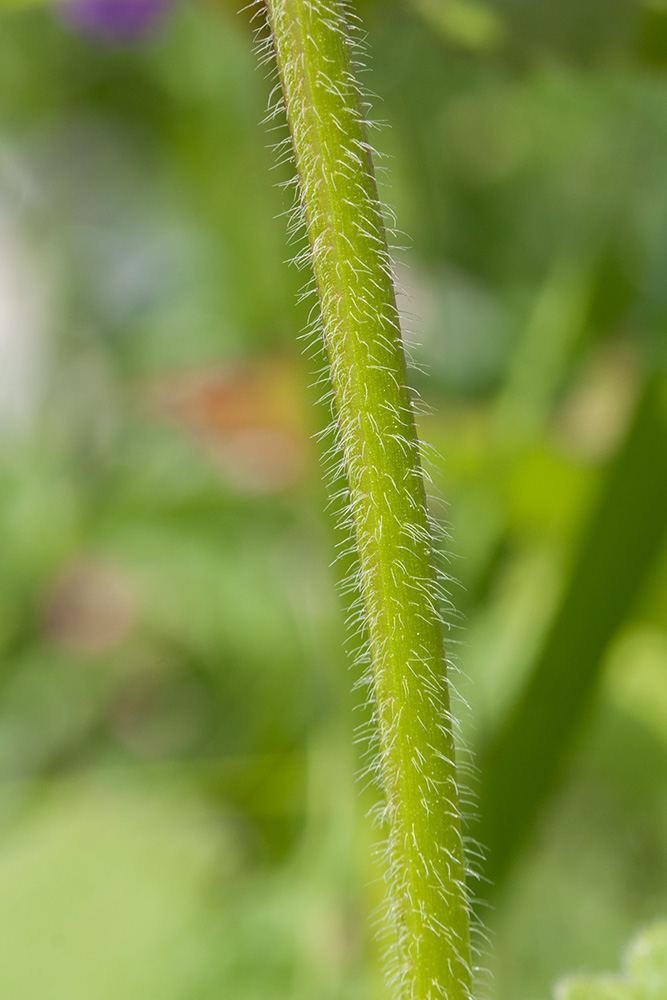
<point x="381" y="455"/>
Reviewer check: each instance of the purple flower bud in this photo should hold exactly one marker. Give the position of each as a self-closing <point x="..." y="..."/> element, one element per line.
<point x="115" y="20"/>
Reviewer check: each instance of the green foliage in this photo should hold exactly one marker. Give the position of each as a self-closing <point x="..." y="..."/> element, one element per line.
<point x="643" y="975"/>
<point x="618" y="552"/>
<point x="166" y="607"/>
<point x="68" y="868"/>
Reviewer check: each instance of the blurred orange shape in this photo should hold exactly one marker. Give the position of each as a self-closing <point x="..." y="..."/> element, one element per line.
<point x="90" y="608"/>
<point x="251" y="417"/>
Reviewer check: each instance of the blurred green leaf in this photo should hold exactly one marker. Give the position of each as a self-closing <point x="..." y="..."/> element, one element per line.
<point x="643" y="977"/>
<point x="470" y="23"/>
<point x="619" y="547"/>
<point x="104" y="892"/>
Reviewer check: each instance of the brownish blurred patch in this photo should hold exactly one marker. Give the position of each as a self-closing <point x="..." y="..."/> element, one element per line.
<point x="90" y="607"/>
<point x="251" y="417"/>
<point x="158" y="711"/>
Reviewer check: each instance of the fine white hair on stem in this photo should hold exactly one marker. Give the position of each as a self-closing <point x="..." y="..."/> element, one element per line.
<point x="395" y="595"/>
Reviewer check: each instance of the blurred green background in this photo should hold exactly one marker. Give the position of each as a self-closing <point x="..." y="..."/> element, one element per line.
<point x="179" y="813"/>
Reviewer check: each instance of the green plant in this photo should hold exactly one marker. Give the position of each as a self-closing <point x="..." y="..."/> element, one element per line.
<point x="643" y="975"/>
<point x="380" y="452"/>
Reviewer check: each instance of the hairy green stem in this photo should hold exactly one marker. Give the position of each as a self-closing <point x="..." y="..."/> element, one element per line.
<point x="382" y="462"/>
